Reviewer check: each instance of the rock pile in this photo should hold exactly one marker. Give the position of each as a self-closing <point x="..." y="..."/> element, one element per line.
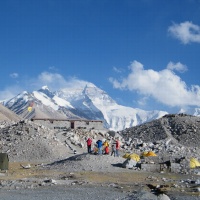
<point x="174" y="138"/>
<point x="180" y="128"/>
<point x="26" y="141"/>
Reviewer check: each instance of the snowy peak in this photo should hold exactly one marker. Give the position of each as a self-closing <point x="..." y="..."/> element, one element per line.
<point x="49" y="98"/>
<point x="19" y="102"/>
<point x="45" y="99"/>
<point x="80" y="101"/>
<point x="94" y="103"/>
<point x="99" y="96"/>
<point x="45" y="87"/>
<point x="46" y="91"/>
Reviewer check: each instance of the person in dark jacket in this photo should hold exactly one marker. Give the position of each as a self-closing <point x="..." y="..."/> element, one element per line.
<point x="99" y="146"/>
<point x="113" y="152"/>
<point x="117" y="147"/>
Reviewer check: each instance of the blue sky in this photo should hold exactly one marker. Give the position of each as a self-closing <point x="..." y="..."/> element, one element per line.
<point x="144" y="54"/>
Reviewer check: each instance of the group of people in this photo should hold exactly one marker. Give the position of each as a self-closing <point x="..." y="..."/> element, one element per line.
<point x="103" y="147"/>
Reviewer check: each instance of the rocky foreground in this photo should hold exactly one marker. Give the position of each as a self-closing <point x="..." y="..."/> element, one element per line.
<point x="42" y="157"/>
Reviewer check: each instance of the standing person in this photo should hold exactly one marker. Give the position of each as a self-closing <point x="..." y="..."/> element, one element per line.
<point x="99" y="145"/>
<point x="89" y="144"/>
<point x="117" y="147"/>
<point x="113" y="150"/>
<point x="105" y="146"/>
<point x="106" y="150"/>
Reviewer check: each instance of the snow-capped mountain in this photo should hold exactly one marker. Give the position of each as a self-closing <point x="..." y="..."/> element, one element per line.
<point x="86" y="101"/>
<point x="116" y="117"/>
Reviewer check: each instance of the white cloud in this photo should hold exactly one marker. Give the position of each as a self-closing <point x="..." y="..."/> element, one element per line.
<point x="164" y="86"/>
<point x="117" y="70"/>
<point x="14" y="75"/>
<point x="186" y="32"/>
<point x="142" y="101"/>
<point x="53" y="68"/>
<point x="10" y="92"/>
<point x="54" y="81"/>
<point x="177" y="66"/>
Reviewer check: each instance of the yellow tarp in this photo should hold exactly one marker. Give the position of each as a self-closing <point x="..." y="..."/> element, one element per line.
<point x="126" y="155"/>
<point x="150" y="153"/>
<point x="144" y="153"/>
<point x="132" y="156"/>
<point x="194" y="163"/>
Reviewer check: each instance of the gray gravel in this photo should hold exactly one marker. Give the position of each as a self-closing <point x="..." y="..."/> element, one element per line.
<point x="86" y="192"/>
<point x="64" y="193"/>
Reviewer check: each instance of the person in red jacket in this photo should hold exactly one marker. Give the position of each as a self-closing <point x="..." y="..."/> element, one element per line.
<point x="106" y="150"/>
<point x="89" y="144"/>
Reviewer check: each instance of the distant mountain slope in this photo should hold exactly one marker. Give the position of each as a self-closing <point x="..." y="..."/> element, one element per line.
<point x="8" y="115"/>
<point x="37" y="104"/>
<point x="86" y="101"/>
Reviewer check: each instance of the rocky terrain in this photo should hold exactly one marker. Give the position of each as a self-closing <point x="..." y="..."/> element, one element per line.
<point x="180" y="128"/>
<point x="58" y="157"/>
<point x="172" y="137"/>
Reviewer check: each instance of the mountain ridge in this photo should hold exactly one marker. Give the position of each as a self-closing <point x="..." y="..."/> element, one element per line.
<point x="86" y="101"/>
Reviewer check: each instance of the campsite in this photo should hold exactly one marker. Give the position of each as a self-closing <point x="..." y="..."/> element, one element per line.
<point x="42" y="157"/>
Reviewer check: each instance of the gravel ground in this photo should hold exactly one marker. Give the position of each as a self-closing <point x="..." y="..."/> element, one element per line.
<point x="86" y="192"/>
<point x="89" y="162"/>
<point x="64" y="193"/>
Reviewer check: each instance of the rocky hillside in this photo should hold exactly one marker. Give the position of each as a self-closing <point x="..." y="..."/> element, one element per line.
<point x="173" y="137"/>
<point x="179" y="128"/>
<point x="26" y="141"/>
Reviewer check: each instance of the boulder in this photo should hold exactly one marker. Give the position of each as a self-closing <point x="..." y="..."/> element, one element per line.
<point x="129" y="163"/>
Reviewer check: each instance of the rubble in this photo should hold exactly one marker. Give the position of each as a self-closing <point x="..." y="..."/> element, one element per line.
<point x="174" y="138"/>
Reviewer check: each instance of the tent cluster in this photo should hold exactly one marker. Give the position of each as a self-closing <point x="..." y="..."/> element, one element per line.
<point x="136" y="157"/>
<point x="135" y="161"/>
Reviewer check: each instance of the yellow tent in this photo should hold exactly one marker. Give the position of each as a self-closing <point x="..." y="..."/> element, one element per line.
<point x="144" y="153"/>
<point x="132" y="156"/>
<point x="151" y="153"/>
<point x="126" y="155"/>
<point x="194" y="163"/>
<point x="147" y="154"/>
